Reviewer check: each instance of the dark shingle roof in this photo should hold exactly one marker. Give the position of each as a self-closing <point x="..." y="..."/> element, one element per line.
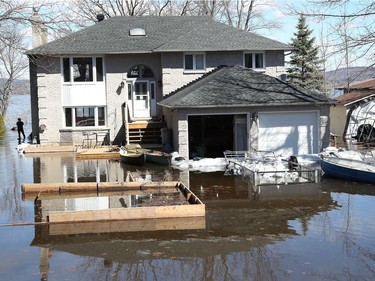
<point x="163" y="34"/>
<point x="240" y="87"/>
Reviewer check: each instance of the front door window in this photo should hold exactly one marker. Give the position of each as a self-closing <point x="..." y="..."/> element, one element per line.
<point x="141" y="100"/>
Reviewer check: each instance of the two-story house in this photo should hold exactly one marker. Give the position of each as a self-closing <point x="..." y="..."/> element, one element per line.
<point x="213" y="86"/>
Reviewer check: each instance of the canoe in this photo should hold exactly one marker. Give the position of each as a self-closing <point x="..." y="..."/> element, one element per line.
<point x="158" y="157"/>
<point x="155" y="156"/>
<point x="349" y="169"/>
<point x="132" y="157"/>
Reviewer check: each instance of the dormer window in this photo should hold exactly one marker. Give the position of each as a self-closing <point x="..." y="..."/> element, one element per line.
<point x="255" y="60"/>
<point x="137" y="32"/>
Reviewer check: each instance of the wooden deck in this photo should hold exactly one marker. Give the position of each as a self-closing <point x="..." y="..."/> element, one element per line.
<point x="45" y="148"/>
<point x="103" y="152"/>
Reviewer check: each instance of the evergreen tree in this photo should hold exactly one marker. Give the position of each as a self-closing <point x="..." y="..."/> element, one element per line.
<point x="304" y="66"/>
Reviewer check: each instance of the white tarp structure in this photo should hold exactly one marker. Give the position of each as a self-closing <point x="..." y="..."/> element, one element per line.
<point x="364" y="113"/>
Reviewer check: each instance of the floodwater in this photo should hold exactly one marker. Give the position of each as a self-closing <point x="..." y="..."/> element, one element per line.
<point x="322" y="231"/>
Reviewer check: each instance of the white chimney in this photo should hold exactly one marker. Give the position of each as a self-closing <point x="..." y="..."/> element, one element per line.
<point x="39" y="30"/>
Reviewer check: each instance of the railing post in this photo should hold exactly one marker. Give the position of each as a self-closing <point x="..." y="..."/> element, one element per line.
<point x="127" y="124"/>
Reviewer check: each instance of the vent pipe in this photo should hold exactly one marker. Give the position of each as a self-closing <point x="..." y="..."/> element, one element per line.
<point x="100" y="17"/>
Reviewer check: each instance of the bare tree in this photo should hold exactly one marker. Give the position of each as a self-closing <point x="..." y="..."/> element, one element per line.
<point x="248" y="15"/>
<point x="13" y="64"/>
<point x="245" y="14"/>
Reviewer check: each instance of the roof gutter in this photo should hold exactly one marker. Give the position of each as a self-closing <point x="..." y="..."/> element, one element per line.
<point x="248" y="105"/>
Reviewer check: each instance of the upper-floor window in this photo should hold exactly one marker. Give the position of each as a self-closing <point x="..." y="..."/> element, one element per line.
<point x="83" y="69"/>
<point x="255" y="60"/>
<point x="194" y="61"/>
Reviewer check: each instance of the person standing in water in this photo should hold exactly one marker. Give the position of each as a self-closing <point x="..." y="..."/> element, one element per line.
<point x="20" y="129"/>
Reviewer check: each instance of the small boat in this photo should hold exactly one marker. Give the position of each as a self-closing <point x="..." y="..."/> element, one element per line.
<point x="132" y="157"/>
<point x="349" y="169"/>
<point x="158" y="157"/>
<point x="155" y="156"/>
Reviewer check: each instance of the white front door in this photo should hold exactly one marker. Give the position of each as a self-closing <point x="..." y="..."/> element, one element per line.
<point x="141" y="100"/>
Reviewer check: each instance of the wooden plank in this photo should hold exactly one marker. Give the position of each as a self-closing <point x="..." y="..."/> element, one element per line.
<point x="57" y="187"/>
<point x="107" y="186"/>
<point x="79" y="187"/>
<point x="178" y="211"/>
<point x="51" y="196"/>
<point x="37" y="187"/>
<point x="127" y="226"/>
<point x="55" y="195"/>
<point x="97" y="153"/>
<point x="108" y="155"/>
<point x="38" y="148"/>
<point x="148" y="125"/>
<point x="93" y="186"/>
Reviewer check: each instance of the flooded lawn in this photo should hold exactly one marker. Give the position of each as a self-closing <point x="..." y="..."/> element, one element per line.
<point x="323" y="231"/>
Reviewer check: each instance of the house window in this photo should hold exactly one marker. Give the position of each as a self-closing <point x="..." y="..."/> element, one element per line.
<point x="86" y="69"/>
<point x="194" y="61"/>
<point x="140" y="71"/>
<point x="254" y="60"/>
<point x="84" y="116"/>
<point x="99" y="69"/>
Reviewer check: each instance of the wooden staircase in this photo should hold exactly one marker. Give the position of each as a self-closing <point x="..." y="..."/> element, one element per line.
<point x="144" y="132"/>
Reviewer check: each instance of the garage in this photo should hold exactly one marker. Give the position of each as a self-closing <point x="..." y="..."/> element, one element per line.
<point x="234" y="108"/>
<point x="289" y="133"/>
<point x="210" y="135"/>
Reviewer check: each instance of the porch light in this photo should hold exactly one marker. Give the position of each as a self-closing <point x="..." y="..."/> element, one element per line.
<point x="160" y="84"/>
<point x="254" y="117"/>
<point x="122" y="84"/>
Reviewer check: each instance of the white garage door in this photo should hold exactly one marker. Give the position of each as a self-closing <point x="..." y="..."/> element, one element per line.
<point x="289" y="133"/>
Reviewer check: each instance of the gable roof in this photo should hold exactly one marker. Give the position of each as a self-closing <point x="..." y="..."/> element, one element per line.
<point x="240" y="87"/>
<point x="163" y="34"/>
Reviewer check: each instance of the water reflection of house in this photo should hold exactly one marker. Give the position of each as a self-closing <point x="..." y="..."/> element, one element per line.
<point x="56" y="167"/>
<point x="235" y="220"/>
<point x="355" y="107"/>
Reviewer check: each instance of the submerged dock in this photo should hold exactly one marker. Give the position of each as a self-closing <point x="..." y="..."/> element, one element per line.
<point x="70" y="202"/>
<point x="266" y="169"/>
<point x="102" y="152"/>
